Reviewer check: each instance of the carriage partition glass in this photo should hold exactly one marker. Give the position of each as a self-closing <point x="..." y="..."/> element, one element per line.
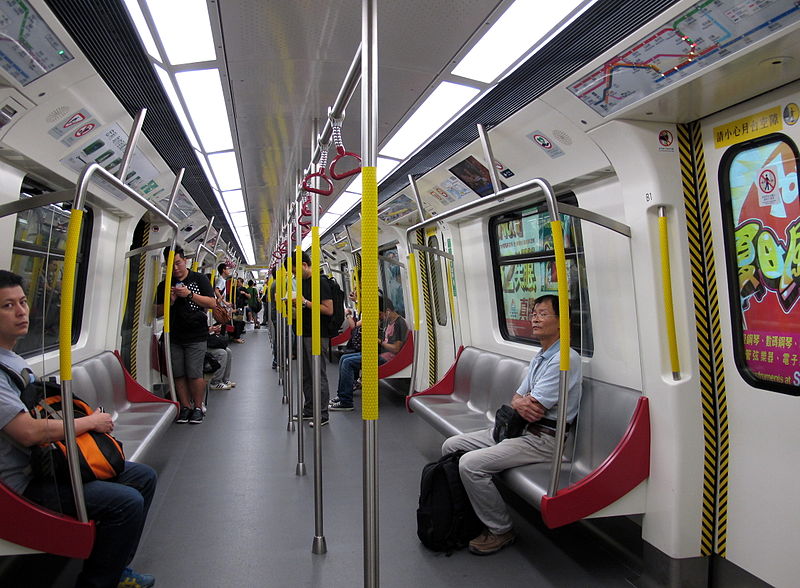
<point x="40" y="237"/>
<point x="525" y="268"/>
<point x="391" y="279"/>
<point x="761" y="220"/>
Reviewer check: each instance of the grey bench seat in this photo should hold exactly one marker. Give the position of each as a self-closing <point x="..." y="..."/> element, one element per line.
<point x="139" y="417"/>
<point x="607" y="451"/>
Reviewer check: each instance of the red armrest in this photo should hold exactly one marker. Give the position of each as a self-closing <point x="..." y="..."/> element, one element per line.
<point x="342" y="337"/>
<point x="135" y="392"/>
<point x="35" y="527"/>
<point x="444" y="386"/>
<point x="403" y="358"/>
<point x="623" y="470"/>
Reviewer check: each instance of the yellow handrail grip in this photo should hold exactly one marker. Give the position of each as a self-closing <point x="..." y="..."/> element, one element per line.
<point x="194" y="266"/>
<point x="298" y="252"/>
<point x="412" y="276"/>
<point x="126" y="285"/>
<point x="68" y="294"/>
<point x="167" y="287"/>
<point x="358" y="295"/>
<point x="289" y="291"/>
<point x="563" y="296"/>
<point x="669" y="311"/>
<point x="316" y="324"/>
<point x="369" y="279"/>
<point x="447" y="267"/>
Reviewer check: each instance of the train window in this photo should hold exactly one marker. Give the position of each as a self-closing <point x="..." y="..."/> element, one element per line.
<point x="40" y="238"/>
<point x="522" y="252"/>
<point x="761" y="212"/>
<point x="391" y="280"/>
<point x="435" y="268"/>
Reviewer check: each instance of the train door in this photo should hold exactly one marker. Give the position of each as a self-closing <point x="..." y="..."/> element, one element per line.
<point x="753" y="355"/>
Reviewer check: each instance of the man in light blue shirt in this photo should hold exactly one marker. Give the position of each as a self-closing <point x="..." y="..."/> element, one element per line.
<point x="536" y="400"/>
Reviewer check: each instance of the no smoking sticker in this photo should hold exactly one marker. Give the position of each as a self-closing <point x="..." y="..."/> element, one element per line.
<point x="547" y="145"/>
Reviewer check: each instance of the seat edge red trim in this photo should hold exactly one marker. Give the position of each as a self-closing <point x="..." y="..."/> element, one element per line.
<point x="623" y="470"/>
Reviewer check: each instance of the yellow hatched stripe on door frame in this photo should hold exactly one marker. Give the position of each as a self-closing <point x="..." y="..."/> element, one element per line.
<point x="137" y="301"/>
<point x="426" y="301"/>
<point x="709" y="342"/>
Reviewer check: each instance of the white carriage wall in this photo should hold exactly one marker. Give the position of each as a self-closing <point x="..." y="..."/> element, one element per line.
<point x="650" y="177"/>
<point x="764" y="436"/>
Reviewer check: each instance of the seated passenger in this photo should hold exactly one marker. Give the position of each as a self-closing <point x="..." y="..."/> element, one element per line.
<point x="395" y="331"/>
<point x="536" y="400"/>
<point x="118" y="506"/>
<point x="217" y="346"/>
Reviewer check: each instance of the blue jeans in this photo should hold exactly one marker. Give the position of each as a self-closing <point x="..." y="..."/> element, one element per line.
<point x="119" y="509"/>
<point x="349" y="364"/>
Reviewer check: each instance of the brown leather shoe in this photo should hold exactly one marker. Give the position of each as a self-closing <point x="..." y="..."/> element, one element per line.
<point x="488" y="543"/>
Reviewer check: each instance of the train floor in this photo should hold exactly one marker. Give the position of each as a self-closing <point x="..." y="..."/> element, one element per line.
<point x="231" y="511"/>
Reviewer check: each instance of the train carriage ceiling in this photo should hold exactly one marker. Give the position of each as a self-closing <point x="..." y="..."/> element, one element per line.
<point x="284" y="63"/>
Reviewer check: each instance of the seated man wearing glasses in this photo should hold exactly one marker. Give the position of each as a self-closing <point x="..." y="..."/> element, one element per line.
<point x="536" y="400"/>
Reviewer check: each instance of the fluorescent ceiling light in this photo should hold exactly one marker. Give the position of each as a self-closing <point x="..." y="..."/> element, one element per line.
<point x="169" y="88"/>
<point x="438" y="108"/>
<point x="239" y="219"/>
<point x="385" y="167"/>
<point x="328" y="219"/>
<point x="202" y="92"/>
<point x="211" y="179"/>
<point x="224" y="210"/>
<point x="225" y="170"/>
<point x="344" y="203"/>
<point x="523" y="25"/>
<point x="234" y="200"/>
<point x="184" y="29"/>
<point x="144" y="31"/>
<point x="306" y="242"/>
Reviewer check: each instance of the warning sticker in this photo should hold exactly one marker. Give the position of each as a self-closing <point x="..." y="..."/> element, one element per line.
<point x="545" y="143"/>
<point x="74" y="127"/>
<point x="768" y="194"/>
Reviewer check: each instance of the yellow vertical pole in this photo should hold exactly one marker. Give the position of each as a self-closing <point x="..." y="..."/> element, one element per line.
<point x="369" y="290"/>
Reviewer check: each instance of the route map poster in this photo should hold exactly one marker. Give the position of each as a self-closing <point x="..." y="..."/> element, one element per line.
<point x="766" y="216"/>
<point x="699" y="37"/>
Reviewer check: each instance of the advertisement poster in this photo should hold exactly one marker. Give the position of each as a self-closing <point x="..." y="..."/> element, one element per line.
<point x="522" y="283"/>
<point x="766" y="215"/>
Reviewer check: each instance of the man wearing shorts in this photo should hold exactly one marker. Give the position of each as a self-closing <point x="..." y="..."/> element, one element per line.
<point x="190" y="295"/>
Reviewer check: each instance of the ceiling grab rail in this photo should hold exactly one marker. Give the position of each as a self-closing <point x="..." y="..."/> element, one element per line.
<point x="67" y="304"/>
<point x="489" y="155"/>
<point x="666" y="282"/>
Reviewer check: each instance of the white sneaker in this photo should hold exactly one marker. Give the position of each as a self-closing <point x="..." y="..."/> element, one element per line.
<point x="230" y="384"/>
<point x="219" y="386"/>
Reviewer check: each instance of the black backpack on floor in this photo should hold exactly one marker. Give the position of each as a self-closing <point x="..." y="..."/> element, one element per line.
<point x="445" y="518"/>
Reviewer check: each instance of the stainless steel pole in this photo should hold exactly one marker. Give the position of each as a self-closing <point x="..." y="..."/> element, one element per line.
<point x="369" y="147"/>
<point x="319" y="545"/>
<point x="300" y="470"/>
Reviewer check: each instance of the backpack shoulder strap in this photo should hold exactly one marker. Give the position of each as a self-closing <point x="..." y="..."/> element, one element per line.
<point x="15" y="377"/>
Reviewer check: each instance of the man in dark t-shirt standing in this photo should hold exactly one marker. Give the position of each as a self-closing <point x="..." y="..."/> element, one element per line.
<point x="326" y="310"/>
<point x="190" y="295"/>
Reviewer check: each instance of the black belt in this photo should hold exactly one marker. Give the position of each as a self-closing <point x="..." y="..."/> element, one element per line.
<point x="546" y="426"/>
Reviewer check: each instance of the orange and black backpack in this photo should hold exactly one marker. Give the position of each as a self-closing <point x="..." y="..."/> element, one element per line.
<point x="101" y="456"/>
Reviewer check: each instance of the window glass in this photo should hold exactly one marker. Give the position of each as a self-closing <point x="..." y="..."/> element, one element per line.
<point x="40" y="239"/>
<point x="525" y="268"/>
<point x="391" y="279"/>
<point x="762" y="231"/>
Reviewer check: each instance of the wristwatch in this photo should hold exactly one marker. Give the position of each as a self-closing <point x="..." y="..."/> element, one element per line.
<point x="190" y="296"/>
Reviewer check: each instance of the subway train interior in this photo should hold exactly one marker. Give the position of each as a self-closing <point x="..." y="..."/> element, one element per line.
<point x="458" y="159"/>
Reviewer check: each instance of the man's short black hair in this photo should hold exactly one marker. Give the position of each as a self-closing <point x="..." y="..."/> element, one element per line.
<point x="251" y="283"/>
<point x="10" y="279"/>
<point x="221" y="268"/>
<point x="553" y="300"/>
<point x="178" y="251"/>
<point x="304" y="258"/>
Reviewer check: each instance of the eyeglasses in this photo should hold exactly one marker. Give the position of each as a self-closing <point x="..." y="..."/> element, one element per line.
<point x="536" y="314"/>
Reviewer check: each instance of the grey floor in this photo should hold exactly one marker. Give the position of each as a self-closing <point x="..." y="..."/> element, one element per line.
<point x="231" y="511"/>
